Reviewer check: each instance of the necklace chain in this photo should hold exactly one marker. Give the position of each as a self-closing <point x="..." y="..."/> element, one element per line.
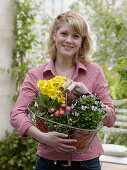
<point x="65" y="75"/>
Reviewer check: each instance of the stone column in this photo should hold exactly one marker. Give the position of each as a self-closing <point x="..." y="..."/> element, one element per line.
<point x="7" y="83"/>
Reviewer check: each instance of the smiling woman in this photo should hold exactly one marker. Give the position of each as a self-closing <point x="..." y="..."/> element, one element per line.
<point x="70" y="47"/>
<point x="74" y="29"/>
<point x="67" y="42"/>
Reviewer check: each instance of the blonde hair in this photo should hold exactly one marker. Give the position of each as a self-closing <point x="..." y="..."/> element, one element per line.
<point x="79" y="25"/>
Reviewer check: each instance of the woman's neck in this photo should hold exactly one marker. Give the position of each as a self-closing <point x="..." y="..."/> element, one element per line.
<point x="64" y="68"/>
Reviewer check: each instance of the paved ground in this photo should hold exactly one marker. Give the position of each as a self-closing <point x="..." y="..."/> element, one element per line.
<point x="109" y="166"/>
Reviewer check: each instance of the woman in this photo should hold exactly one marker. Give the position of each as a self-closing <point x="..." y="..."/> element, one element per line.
<point x="70" y="46"/>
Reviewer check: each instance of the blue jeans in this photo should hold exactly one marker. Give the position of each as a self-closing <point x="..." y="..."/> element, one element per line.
<point x="93" y="164"/>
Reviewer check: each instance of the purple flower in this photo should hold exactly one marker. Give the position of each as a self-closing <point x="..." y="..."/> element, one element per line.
<point x="94" y="105"/>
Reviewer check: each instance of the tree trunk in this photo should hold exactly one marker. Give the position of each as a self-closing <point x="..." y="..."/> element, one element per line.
<point x="7" y="83"/>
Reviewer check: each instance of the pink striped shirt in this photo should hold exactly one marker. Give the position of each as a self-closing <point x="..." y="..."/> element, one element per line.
<point x="91" y="75"/>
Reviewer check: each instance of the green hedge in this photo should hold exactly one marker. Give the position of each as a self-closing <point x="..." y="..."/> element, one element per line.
<point x="17" y="153"/>
<point x="114" y="138"/>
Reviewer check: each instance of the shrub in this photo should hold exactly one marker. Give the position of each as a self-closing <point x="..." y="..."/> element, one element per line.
<point x="17" y="153"/>
<point x="114" y="138"/>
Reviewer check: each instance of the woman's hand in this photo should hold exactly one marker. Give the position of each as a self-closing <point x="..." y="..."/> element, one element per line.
<point x="59" y="141"/>
<point x="79" y="88"/>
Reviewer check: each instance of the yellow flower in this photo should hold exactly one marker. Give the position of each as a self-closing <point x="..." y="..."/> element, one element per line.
<point x="51" y="88"/>
<point x="61" y="99"/>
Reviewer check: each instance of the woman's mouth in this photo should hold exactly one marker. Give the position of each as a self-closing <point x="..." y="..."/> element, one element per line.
<point x="67" y="47"/>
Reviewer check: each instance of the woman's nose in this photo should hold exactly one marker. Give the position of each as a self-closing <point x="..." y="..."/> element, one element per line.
<point x="69" y="39"/>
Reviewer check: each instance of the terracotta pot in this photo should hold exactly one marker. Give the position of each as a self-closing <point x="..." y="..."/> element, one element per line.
<point x="41" y="125"/>
<point x="84" y="138"/>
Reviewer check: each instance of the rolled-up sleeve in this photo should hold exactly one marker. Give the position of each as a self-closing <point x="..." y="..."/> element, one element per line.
<point x="19" y="118"/>
<point x="101" y="89"/>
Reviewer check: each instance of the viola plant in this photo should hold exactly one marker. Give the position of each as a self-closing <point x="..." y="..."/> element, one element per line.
<point x="85" y="112"/>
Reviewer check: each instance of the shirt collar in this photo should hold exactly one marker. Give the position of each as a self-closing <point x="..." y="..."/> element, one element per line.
<point x="80" y="65"/>
<point x="51" y="68"/>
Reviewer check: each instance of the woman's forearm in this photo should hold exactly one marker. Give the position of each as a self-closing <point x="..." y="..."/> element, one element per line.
<point x="35" y="133"/>
<point x="108" y="116"/>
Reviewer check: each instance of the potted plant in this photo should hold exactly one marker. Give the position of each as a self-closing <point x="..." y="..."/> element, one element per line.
<point x="81" y="119"/>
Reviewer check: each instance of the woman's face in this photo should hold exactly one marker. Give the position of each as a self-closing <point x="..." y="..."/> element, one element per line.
<point x="67" y="41"/>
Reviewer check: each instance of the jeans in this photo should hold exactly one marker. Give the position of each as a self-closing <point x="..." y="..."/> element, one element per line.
<point x="93" y="164"/>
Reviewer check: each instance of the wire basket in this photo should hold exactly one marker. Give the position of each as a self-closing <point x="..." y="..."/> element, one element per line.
<point x="84" y="137"/>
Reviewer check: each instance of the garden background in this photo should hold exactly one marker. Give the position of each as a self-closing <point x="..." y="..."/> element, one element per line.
<point x="23" y="31"/>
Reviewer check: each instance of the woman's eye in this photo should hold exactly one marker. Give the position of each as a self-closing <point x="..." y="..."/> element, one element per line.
<point x="64" y="33"/>
<point x="76" y="36"/>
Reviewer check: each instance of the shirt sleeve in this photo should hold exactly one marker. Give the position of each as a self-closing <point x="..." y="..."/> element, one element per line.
<point x="19" y="118"/>
<point x="101" y="89"/>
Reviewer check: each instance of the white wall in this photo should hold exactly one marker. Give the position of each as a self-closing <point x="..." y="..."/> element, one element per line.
<point x="54" y="7"/>
<point x="7" y="84"/>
